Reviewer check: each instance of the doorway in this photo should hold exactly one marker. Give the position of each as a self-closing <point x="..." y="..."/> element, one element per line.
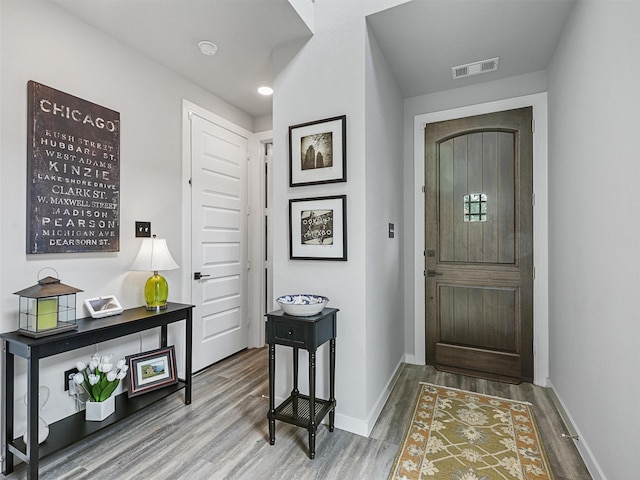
<point x="479" y="245"/>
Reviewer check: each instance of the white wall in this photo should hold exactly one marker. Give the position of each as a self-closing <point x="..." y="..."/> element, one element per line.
<point x="325" y="79"/>
<point x="384" y="204"/>
<point x="40" y="42"/>
<point x="594" y="170"/>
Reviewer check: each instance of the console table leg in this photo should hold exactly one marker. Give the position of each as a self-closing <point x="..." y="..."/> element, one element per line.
<point x="312" y="405"/>
<point x="332" y="383"/>
<point x="272" y="405"/>
<point x="33" y="383"/>
<point x="189" y="357"/>
<point x="7" y="409"/>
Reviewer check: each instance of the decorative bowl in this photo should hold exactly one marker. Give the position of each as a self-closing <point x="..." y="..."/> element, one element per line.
<point x="302" y="304"/>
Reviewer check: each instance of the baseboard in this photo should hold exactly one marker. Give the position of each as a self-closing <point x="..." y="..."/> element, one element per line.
<point x="580" y="442"/>
<point x="412" y="359"/>
<point x="351" y="424"/>
<point x="364" y="427"/>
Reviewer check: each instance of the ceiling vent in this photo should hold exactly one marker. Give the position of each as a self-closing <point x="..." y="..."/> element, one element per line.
<point x="475" y="68"/>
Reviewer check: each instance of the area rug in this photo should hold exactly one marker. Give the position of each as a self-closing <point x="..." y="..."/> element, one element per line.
<point x="460" y="435"/>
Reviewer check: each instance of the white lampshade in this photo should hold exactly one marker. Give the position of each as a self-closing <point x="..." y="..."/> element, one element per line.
<point x="154" y="256"/>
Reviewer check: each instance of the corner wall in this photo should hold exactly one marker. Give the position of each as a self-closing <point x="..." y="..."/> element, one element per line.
<point x="384" y="203"/>
<point x="312" y="84"/>
<point x="594" y="169"/>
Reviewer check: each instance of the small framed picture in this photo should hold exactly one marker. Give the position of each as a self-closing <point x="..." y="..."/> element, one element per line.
<point x="103" y="306"/>
<point x="152" y="370"/>
<point x="318" y="228"/>
<point x="318" y="152"/>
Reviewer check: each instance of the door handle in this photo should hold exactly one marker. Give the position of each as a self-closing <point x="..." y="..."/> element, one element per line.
<point x="198" y="276"/>
<point x="433" y="273"/>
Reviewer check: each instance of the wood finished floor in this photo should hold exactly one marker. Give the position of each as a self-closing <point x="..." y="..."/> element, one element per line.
<point x="223" y="434"/>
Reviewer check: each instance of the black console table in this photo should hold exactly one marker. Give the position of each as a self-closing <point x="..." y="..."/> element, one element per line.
<point x="308" y="333"/>
<point x="73" y="428"/>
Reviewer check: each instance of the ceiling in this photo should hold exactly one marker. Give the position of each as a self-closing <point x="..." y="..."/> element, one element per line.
<point x="421" y="40"/>
<point x="168" y="32"/>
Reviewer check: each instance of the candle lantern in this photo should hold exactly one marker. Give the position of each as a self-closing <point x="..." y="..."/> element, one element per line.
<point x="47" y="308"/>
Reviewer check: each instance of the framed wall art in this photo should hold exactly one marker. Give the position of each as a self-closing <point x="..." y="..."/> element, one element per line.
<point x="73" y="174"/>
<point x="152" y="370"/>
<point x="318" y="228"/>
<point x="318" y="152"/>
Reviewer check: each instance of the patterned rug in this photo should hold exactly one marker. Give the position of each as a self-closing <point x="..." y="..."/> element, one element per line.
<point x="460" y="435"/>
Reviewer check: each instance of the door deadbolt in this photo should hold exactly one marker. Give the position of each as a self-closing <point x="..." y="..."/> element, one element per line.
<point x="198" y="276"/>
<point x="432" y="273"/>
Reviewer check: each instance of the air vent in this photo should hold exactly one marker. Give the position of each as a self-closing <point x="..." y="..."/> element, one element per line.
<point x="475" y="68"/>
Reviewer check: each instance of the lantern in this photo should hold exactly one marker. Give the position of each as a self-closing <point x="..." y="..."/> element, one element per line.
<point x="47" y="308"/>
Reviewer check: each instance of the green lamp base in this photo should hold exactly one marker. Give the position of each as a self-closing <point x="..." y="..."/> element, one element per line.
<point x="156" y="292"/>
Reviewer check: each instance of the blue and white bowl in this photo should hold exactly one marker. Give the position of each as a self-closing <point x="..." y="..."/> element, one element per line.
<point x="302" y="304"/>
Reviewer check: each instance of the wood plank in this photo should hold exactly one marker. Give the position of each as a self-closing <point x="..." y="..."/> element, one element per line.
<point x="506" y="200"/>
<point x="445" y="201"/>
<point x="460" y="189"/>
<point x="474" y="181"/>
<point x="490" y="187"/>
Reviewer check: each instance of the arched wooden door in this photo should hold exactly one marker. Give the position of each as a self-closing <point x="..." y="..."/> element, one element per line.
<point x="479" y="245"/>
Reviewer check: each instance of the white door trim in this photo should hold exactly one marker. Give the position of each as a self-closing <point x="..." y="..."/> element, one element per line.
<point x="255" y="237"/>
<point x="257" y="194"/>
<point x="540" y="224"/>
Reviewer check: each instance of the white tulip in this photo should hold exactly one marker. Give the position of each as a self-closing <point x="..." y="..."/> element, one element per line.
<point x="111" y="376"/>
<point x="121" y="374"/>
<point x="105" y="367"/>
<point x="81" y="366"/>
<point x="93" y="379"/>
<point x="120" y="364"/>
<point x="78" y="378"/>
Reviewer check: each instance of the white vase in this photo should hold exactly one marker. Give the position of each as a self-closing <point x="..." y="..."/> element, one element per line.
<point x="98" y="411"/>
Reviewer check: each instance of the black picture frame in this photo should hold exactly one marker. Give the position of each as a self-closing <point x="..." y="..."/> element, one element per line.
<point x="151" y="370"/>
<point x="318" y="152"/>
<point x="318" y="228"/>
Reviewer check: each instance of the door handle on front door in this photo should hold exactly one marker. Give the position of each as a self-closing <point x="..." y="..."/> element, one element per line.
<point x="198" y="276"/>
<point x="432" y="273"/>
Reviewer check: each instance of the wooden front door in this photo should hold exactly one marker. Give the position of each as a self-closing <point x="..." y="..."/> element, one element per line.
<point x="479" y="245"/>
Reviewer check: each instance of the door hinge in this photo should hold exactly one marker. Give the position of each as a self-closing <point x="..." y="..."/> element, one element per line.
<point x="534" y="273"/>
<point x="190" y="183"/>
<point x="533" y="199"/>
<point x="423" y="189"/>
<point x="533" y="126"/>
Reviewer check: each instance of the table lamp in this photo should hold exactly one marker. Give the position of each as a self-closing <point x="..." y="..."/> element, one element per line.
<point x="154" y="256"/>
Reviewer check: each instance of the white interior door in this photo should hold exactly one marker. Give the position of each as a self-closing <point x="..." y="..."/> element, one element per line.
<point x="219" y="241"/>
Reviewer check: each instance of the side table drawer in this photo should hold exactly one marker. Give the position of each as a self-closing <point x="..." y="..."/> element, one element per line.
<point x="285" y="333"/>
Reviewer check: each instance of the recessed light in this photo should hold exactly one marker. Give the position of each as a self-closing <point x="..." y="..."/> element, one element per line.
<point x="207" y="47"/>
<point x="265" y="90"/>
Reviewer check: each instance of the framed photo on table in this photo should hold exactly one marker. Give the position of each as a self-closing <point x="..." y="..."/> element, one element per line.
<point x="152" y="370"/>
<point x="318" y="228"/>
<point x="318" y="152"/>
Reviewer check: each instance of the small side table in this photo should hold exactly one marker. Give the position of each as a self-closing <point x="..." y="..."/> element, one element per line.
<point x="308" y="333"/>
